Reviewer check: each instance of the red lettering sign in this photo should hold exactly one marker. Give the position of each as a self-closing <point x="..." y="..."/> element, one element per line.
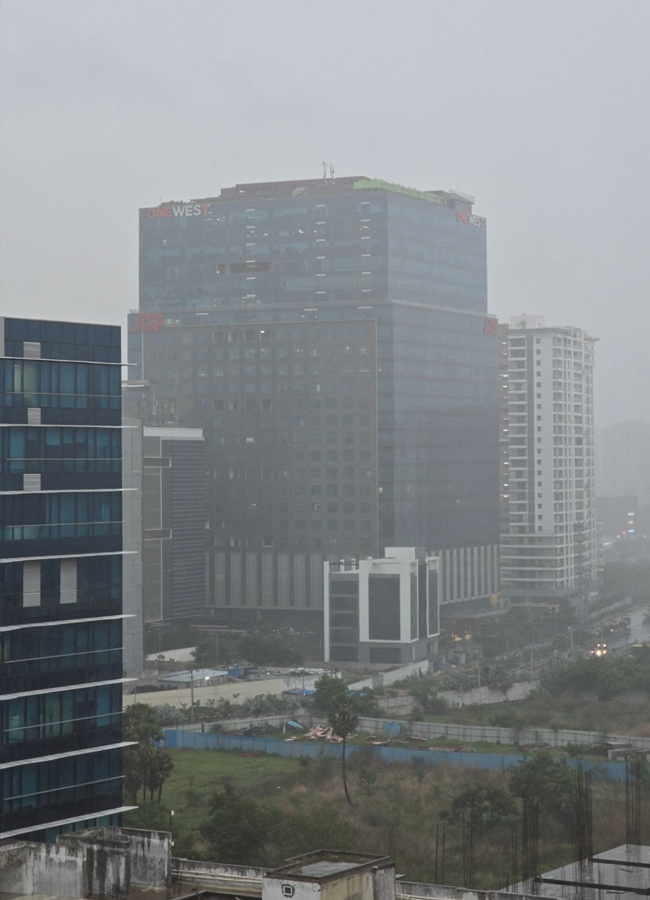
<point x="183" y="211"/>
<point x="491" y="327"/>
<point x="148" y="322"/>
<point x="469" y="219"/>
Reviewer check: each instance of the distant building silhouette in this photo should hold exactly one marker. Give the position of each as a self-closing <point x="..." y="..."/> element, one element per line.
<point x="332" y="339"/>
<point x="623" y="460"/>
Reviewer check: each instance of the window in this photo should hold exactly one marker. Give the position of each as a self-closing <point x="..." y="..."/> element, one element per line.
<point x="384" y="607"/>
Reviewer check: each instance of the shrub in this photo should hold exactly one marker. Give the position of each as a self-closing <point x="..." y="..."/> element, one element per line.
<point x="485" y="805"/>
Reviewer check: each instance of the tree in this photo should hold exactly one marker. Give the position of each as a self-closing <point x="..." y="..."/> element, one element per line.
<point x="498" y="677"/>
<point x="302" y="831"/>
<point x="332" y="697"/>
<point x="341" y="706"/>
<point x="144" y="764"/>
<point x="344" y="721"/>
<point x="160" y="768"/>
<point x="214" y="650"/>
<point x="425" y="695"/>
<point x="132" y="772"/>
<point x="548" y="779"/>
<point x="329" y="694"/>
<point x="139" y="719"/>
<point x="238" y="828"/>
<point x="607" y="676"/>
<point x="485" y="805"/>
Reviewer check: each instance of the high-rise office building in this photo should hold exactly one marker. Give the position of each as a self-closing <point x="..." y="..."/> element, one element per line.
<point x="548" y="551"/>
<point x="169" y="504"/>
<point x="174" y="519"/>
<point x="623" y="460"/>
<point x="132" y="536"/>
<point x="332" y="339"/>
<point x="620" y="517"/>
<point x="60" y="578"/>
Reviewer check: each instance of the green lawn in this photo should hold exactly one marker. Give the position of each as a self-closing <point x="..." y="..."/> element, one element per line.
<point x="197" y="774"/>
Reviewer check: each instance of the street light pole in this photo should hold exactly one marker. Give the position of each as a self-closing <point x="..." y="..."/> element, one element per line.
<point x="191" y="695"/>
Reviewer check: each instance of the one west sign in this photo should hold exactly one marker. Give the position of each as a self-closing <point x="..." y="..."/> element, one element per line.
<point x="175" y="211"/>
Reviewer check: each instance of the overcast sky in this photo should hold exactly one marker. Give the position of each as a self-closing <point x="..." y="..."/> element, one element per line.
<point x="540" y="108"/>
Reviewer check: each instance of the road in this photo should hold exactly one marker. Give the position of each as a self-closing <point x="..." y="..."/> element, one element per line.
<point x="639" y="633"/>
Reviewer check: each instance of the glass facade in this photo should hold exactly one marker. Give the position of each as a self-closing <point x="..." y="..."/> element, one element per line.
<point x="340" y="242"/>
<point x="274" y="309"/>
<point x="174" y="515"/>
<point x="76" y="783"/>
<point x="60" y="578"/>
<point x="438" y="449"/>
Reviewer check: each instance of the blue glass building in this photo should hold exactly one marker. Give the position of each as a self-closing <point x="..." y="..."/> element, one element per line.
<point x="355" y="313"/>
<point x="60" y="578"/>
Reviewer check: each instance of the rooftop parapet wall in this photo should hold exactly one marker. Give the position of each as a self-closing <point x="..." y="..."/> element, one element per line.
<point x="150" y="856"/>
<point x="69" y="868"/>
<point x="413" y="891"/>
<point x="99" y="862"/>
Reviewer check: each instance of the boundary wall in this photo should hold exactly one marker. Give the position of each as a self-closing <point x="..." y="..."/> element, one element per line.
<point x="175" y="739"/>
<point x="520" y="737"/>
<point x="384" y="679"/>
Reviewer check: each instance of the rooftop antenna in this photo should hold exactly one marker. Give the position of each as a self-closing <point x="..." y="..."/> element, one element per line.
<point x="324" y="171"/>
<point x="332" y="173"/>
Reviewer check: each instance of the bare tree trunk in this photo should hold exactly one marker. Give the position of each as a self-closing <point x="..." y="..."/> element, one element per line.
<point x="345" y="781"/>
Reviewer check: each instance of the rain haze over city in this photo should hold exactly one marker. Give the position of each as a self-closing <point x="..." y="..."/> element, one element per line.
<point x="539" y="110"/>
<point x="324" y="447"/>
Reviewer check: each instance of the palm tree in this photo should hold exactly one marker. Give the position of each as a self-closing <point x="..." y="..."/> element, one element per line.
<point x="139" y="726"/>
<point x="132" y="772"/>
<point x="160" y="768"/>
<point x="344" y="721"/>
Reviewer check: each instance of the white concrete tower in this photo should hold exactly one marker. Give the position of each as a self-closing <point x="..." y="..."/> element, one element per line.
<point x="548" y="552"/>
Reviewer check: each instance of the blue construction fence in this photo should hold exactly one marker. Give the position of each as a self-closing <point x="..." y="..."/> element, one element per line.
<point x="176" y="738"/>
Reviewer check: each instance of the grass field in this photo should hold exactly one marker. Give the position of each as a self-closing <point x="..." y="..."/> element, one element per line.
<point x="401" y="810"/>
<point x="197" y="774"/>
<point x="541" y="711"/>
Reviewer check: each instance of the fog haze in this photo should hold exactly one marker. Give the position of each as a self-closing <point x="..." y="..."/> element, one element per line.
<point x="539" y="109"/>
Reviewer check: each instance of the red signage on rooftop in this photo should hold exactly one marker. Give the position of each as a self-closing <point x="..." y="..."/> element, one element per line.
<point x="470" y="219"/>
<point x="177" y="210"/>
<point x="148" y="322"/>
<point x="491" y="326"/>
